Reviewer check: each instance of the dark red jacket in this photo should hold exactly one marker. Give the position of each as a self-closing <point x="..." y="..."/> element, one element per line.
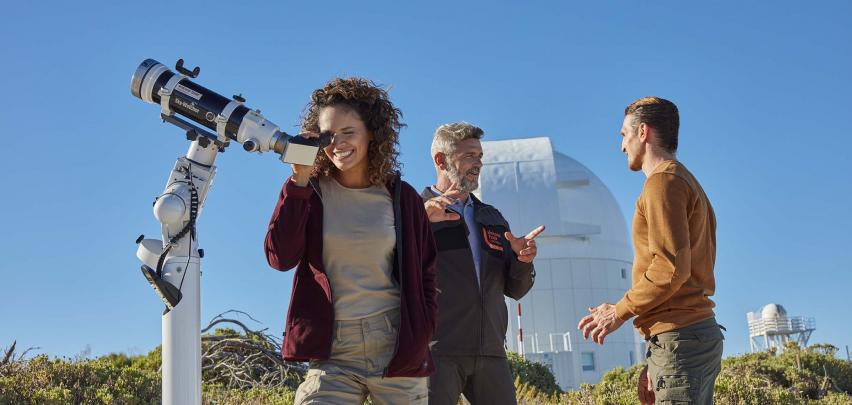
<point x="295" y="239"/>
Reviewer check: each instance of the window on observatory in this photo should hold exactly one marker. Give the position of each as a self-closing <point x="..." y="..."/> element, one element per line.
<point x="587" y="361"/>
<point x="623" y="273"/>
<point x="632" y="358"/>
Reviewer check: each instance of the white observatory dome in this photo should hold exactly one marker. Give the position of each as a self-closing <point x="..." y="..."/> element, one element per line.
<point x="584" y="256"/>
<point x="773" y="311"/>
<point x="532" y="184"/>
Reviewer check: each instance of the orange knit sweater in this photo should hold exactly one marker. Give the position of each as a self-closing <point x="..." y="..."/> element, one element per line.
<point x="674" y="241"/>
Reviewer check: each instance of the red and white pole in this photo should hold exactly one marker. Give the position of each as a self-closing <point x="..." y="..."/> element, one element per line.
<point x="520" y="333"/>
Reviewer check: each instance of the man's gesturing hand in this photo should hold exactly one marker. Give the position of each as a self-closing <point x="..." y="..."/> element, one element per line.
<point x="600" y="322"/>
<point x="436" y="207"/>
<point x="524" y="247"/>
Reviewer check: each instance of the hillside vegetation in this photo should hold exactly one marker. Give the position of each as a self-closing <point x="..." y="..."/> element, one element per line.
<point x="240" y="373"/>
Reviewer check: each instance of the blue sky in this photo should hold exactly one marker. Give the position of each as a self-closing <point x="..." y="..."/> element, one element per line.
<point x="763" y="90"/>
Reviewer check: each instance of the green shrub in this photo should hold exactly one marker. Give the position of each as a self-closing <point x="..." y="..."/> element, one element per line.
<point x="41" y="380"/>
<point x="797" y="376"/>
<point x="151" y="361"/>
<point x="219" y="395"/>
<point x="533" y="374"/>
<point x="618" y="386"/>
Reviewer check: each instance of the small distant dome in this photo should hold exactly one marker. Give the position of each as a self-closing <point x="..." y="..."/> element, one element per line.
<point x="773" y="311"/>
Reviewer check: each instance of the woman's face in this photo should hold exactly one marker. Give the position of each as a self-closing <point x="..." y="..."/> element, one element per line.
<point x="348" y="149"/>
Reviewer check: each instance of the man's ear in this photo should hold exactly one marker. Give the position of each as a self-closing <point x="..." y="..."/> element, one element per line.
<point x="440" y="160"/>
<point x="644" y="132"/>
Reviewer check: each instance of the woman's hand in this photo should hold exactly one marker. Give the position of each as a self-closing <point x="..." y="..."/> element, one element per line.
<point x="302" y="173"/>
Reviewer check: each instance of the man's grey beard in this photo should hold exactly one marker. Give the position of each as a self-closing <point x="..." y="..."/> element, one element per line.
<point x="465" y="185"/>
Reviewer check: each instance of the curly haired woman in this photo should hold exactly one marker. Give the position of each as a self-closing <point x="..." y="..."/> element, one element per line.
<point x="363" y="304"/>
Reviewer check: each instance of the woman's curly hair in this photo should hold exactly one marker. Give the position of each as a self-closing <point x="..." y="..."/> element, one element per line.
<point x="379" y="115"/>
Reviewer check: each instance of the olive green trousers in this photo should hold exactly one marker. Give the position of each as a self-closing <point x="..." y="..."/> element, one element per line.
<point x="683" y="364"/>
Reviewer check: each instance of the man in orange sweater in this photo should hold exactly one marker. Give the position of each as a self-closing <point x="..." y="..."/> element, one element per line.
<point x="674" y="241"/>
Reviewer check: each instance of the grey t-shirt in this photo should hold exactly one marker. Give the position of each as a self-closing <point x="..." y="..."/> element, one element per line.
<point x="358" y="243"/>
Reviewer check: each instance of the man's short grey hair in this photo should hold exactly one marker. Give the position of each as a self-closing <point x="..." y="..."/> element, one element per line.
<point x="447" y="136"/>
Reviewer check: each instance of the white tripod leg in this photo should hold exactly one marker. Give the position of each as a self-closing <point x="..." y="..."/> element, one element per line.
<point x="182" y="334"/>
<point x="181" y="268"/>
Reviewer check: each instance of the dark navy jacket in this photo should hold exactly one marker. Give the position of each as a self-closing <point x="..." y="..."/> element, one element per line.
<point x="473" y="317"/>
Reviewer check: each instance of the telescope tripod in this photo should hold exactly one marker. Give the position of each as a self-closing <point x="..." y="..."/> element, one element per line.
<point x="174" y="270"/>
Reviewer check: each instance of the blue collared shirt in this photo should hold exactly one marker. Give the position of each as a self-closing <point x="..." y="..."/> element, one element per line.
<point x="473" y="237"/>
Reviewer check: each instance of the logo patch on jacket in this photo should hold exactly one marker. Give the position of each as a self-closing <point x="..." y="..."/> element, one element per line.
<point x="492" y="239"/>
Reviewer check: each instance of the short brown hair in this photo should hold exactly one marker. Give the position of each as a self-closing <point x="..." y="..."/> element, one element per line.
<point x="448" y="135"/>
<point x="381" y="118"/>
<point x="660" y="114"/>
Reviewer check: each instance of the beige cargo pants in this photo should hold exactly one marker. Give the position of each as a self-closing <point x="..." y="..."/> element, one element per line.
<point x="360" y="351"/>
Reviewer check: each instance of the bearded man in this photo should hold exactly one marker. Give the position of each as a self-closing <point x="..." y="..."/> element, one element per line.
<point x="479" y="262"/>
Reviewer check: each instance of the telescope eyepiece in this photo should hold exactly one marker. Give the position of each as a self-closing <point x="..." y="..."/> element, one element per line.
<point x="325" y="139"/>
